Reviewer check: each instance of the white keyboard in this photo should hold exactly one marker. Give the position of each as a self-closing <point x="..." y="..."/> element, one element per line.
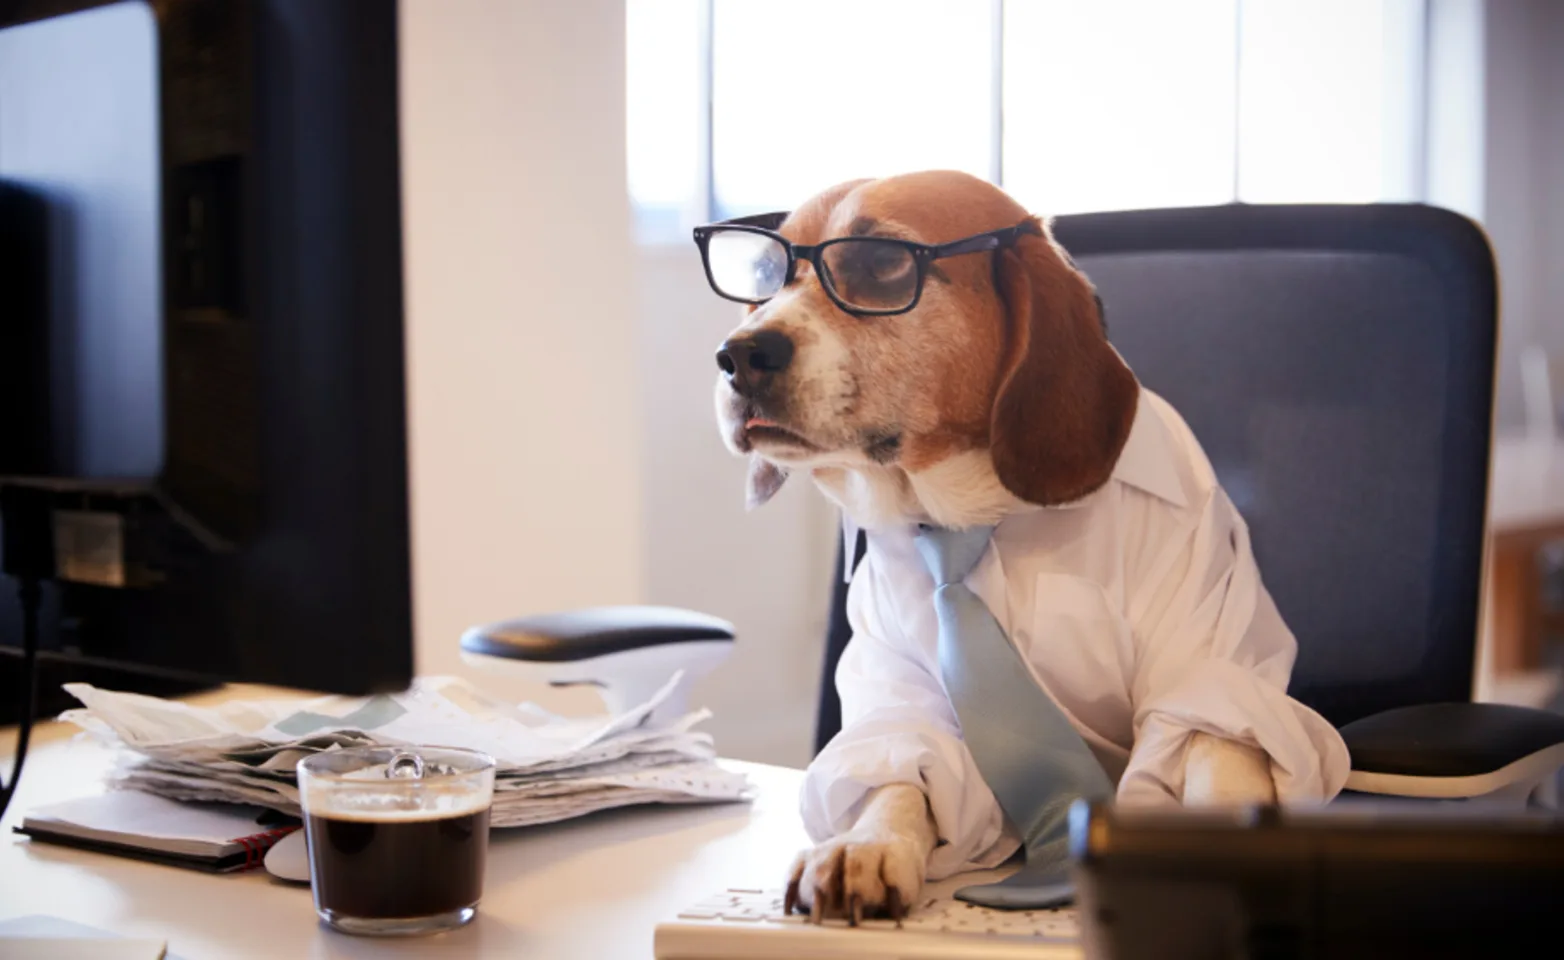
<point x="750" y="924"/>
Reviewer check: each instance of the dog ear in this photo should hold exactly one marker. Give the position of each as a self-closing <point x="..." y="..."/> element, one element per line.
<point x="1065" y="401"/>
<point x="765" y="479"/>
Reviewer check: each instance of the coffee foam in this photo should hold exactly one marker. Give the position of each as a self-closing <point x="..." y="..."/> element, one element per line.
<point x="391" y="807"/>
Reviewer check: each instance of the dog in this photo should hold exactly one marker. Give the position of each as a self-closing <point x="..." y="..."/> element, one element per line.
<point x="1123" y="569"/>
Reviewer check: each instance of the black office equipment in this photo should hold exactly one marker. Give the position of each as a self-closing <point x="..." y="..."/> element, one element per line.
<point x="1381" y="880"/>
<point x="24" y="344"/>
<point x="229" y="503"/>
<point x="627" y="652"/>
<point x="1337" y="364"/>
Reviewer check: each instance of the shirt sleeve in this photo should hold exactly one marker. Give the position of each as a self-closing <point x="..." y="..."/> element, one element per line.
<point x="898" y="727"/>
<point x="1215" y="656"/>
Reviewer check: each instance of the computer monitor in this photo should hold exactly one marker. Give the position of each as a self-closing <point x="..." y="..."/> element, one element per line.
<point x="210" y="389"/>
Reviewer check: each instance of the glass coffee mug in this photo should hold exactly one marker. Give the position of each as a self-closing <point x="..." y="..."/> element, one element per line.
<point x="397" y="836"/>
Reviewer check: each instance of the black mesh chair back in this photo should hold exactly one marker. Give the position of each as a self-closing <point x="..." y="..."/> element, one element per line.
<point x="1337" y="364"/>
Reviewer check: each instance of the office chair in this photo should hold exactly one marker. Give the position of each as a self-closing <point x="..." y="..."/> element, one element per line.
<point x="1337" y="364"/>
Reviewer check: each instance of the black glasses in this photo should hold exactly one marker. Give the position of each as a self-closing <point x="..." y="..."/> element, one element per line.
<point x="748" y="261"/>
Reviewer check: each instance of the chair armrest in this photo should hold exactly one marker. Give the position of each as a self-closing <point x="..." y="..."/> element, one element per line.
<point x="1456" y="750"/>
<point x="627" y="652"/>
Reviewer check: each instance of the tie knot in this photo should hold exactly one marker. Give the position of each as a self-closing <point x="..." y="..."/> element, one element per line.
<point x="951" y="554"/>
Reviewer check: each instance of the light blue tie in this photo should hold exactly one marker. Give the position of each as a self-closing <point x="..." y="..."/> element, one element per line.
<point x="1030" y="756"/>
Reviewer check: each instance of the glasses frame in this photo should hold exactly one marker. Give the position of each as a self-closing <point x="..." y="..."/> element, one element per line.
<point x="923" y="255"/>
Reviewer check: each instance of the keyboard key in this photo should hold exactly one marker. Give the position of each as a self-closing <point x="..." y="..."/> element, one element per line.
<point x="931" y="916"/>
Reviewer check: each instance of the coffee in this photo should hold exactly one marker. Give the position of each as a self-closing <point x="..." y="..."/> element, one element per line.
<point x="374" y="868"/>
<point x="397" y="836"/>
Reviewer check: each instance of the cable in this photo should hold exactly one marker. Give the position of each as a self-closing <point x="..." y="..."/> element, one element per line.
<point x="26" y="554"/>
<point x="32" y="598"/>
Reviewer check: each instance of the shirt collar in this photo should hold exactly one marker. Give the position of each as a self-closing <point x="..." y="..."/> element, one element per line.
<point x="849" y="547"/>
<point x="1147" y="461"/>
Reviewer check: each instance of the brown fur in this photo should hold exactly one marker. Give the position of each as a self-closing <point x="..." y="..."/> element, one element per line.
<point x="1004" y="355"/>
<point x="1003" y="388"/>
<point x="1065" y="402"/>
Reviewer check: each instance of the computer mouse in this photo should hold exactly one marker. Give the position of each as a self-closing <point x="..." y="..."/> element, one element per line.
<point x="289" y="859"/>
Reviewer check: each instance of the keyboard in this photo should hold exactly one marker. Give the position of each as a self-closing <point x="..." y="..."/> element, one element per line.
<point x="744" y="923"/>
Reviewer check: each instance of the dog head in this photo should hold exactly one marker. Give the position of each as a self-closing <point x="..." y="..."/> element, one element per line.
<point x="998" y="387"/>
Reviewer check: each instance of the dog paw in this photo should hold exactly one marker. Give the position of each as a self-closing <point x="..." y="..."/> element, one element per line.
<point x="1226" y="773"/>
<point x="854" y="877"/>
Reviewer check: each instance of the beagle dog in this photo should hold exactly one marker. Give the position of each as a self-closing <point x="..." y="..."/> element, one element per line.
<point x="996" y="392"/>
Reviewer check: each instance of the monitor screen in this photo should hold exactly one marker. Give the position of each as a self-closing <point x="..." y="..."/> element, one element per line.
<point x="213" y="386"/>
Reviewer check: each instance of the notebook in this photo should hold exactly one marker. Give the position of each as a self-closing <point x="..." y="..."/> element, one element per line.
<point x="42" y="937"/>
<point x="58" y="948"/>
<point x="218" y="838"/>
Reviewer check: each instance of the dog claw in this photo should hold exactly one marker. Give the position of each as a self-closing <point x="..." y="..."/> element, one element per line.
<point x="815" y="910"/>
<point x="893" y="905"/>
<point x="838" y="878"/>
<point x="855" y="913"/>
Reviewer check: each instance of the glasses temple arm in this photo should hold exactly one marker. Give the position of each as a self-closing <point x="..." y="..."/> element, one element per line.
<point x="989" y="241"/>
<point x="766" y="221"/>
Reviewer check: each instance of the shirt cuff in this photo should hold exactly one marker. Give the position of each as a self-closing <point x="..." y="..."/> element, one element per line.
<point x="1309" y="760"/>
<point x="970" y="827"/>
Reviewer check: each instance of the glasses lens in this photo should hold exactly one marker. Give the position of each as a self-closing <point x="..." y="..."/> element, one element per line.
<point x="871" y="274"/>
<point x="746" y="266"/>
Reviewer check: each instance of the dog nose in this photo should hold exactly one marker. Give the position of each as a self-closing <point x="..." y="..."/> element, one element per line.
<point x="751" y="361"/>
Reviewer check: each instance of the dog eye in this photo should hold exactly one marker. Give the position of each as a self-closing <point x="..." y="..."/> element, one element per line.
<point x="887" y="262"/>
<point x="872" y="274"/>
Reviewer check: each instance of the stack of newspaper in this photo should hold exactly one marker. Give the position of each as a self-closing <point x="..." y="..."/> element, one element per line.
<point x="548" y="767"/>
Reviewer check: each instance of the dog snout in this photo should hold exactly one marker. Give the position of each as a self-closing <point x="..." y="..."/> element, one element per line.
<point x="751" y="361"/>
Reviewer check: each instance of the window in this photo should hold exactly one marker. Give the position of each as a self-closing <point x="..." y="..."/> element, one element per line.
<point x="809" y="93"/>
<point x="664" y="132"/>
<point x="1330" y="101"/>
<point x="738" y="106"/>
<point x="1117" y="104"/>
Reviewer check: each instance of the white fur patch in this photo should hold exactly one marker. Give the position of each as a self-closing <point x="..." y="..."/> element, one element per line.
<point x="960" y="491"/>
<point x="821" y="390"/>
<point x="871" y="495"/>
<point x="964" y="491"/>
<point x="823" y="384"/>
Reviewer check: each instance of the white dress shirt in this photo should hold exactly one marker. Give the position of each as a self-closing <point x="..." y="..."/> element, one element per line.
<point x="1139" y="609"/>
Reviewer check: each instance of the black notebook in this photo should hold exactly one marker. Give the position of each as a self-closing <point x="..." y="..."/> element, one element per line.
<point x="217" y="837"/>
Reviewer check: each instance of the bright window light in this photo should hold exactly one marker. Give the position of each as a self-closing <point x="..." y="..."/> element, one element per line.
<point x="1119" y="104"/>
<point x="663" y="67"/>
<point x="808" y="93"/>
<point x="1327" y="101"/>
<point x="1106" y="104"/>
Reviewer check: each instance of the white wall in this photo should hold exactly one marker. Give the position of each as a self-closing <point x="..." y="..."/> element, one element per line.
<point x="768" y="571"/>
<point x="1496" y="154"/>
<point x="563" y="446"/>
<point x="1454" y="121"/>
<point x="1524" y="180"/>
<point x="523" y="381"/>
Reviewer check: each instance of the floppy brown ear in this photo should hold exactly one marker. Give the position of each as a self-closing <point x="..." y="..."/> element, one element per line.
<point x="1065" y="400"/>
<point x="765" y="479"/>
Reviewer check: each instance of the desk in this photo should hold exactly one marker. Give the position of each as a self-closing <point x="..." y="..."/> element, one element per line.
<point x="592" y="888"/>
<point x="1526" y="510"/>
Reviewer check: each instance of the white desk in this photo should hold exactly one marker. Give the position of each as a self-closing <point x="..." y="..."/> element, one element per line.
<point x="594" y="888"/>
